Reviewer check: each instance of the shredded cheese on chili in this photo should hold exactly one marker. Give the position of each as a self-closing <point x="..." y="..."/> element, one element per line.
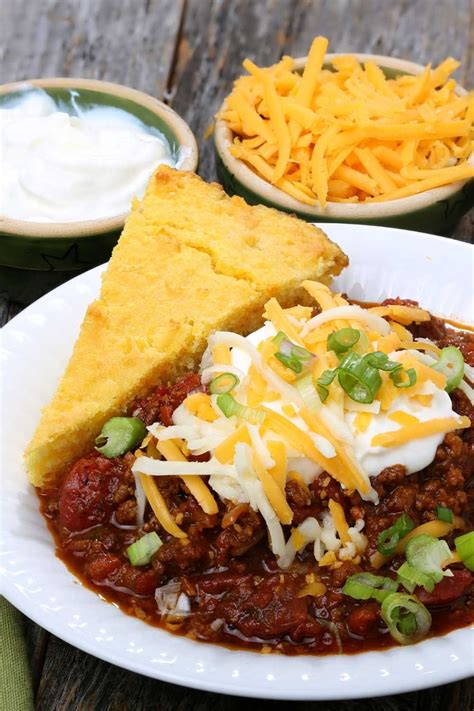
<point x="277" y="439"/>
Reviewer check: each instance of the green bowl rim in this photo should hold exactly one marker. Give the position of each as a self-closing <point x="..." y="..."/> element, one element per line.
<point x="85" y="228"/>
<point x="335" y="211"/>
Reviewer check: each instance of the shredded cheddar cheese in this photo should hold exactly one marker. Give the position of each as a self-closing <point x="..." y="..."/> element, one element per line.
<point x="221" y="354"/>
<point x="328" y="559"/>
<point x="277" y="451"/>
<point x="315" y="589"/>
<point x="297" y="539"/>
<point x="403" y="418"/>
<point x="339" y="518"/>
<point x="273" y="492"/>
<point x="195" y="484"/>
<point x="199" y="404"/>
<point x="419" y="430"/>
<point x="226" y="450"/>
<point x="158" y="505"/>
<point x="348" y="133"/>
<point x="362" y="421"/>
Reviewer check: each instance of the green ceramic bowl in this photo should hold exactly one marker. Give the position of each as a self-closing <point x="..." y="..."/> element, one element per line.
<point x="435" y="211"/>
<point x="77" y="245"/>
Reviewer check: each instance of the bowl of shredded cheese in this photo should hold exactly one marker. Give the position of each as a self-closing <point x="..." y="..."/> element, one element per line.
<point x="350" y="138"/>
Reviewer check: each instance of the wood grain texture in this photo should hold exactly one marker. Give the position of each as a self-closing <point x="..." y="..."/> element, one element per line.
<point x="189" y="52"/>
<point x="74" y="680"/>
<point x="126" y="41"/>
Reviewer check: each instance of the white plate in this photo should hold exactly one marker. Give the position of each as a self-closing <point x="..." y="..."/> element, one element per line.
<point x="36" y="346"/>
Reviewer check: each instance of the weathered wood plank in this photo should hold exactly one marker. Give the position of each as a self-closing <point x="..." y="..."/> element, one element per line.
<point x="126" y="41"/>
<point x="83" y="683"/>
<point x="37" y="640"/>
<point x="216" y="37"/>
<point x="416" y="31"/>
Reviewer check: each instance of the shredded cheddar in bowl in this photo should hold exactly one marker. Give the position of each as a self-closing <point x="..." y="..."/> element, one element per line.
<point x="350" y="133"/>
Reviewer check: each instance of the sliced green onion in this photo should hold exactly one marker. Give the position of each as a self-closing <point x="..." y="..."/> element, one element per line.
<point x="308" y="392"/>
<point x="407" y="623"/>
<point x="341" y="341"/>
<point x="409" y="585"/>
<point x="363" y="586"/>
<point x="362" y="345"/>
<point x="141" y="552"/>
<point x="360" y="380"/>
<point x="465" y="549"/>
<point x="229" y="406"/>
<point x="290" y="362"/>
<point x="410" y="577"/>
<point x="381" y="361"/>
<point x="389" y="539"/>
<point x="398" y="378"/>
<point x="451" y="364"/>
<point x="323" y="381"/>
<point x="120" y="435"/>
<point x="301" y="353"/>
<point x="426" y="554"/>
<point x="398" y="611"/>
<point x="279" y="338"/>
<point x="444" y="513"/>
<point x="224" y="383"/>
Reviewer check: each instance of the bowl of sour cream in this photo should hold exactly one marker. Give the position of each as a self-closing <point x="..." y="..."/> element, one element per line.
<point x="75" y="153"/>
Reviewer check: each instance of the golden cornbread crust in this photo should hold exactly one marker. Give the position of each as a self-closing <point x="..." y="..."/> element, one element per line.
<point x="190" y="260"/>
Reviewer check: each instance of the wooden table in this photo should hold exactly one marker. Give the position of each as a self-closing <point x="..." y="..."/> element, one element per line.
<point x="188" y="52"/>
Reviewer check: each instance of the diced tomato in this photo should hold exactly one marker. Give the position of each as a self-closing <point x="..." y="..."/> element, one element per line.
<point x="102" y="566"/>
<point x="87" y="494"/>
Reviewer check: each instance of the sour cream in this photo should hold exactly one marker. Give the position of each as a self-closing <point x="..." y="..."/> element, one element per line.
<point x="413" y="455"/>
<point x="62" y="168"/>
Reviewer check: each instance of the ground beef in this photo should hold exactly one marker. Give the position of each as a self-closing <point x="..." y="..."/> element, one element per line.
<point x="432" y="494"/>
<point x="402" y="499"/>
<point x="296" y="495"/>
<point x="126" y="513"/>
<point x="179" y="555"/>
<point x="189" y="512"/>
<point x="340" y="574"/>
<point x="325" y="487"/>
<point x="237" y="539"/>
<point x="397" y="301"/>
<point x="389" y="478"/>
<point x="159" y="406"/>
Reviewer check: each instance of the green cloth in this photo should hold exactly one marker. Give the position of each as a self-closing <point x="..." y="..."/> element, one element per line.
<point x="15" y="682"/>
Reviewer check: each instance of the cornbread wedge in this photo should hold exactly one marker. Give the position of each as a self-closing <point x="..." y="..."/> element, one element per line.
<point x="190" y="260"/>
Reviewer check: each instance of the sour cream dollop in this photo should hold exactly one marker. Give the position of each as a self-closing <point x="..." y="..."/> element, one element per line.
<point x="413" y="455"/>
<point x="62" y="168"/>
